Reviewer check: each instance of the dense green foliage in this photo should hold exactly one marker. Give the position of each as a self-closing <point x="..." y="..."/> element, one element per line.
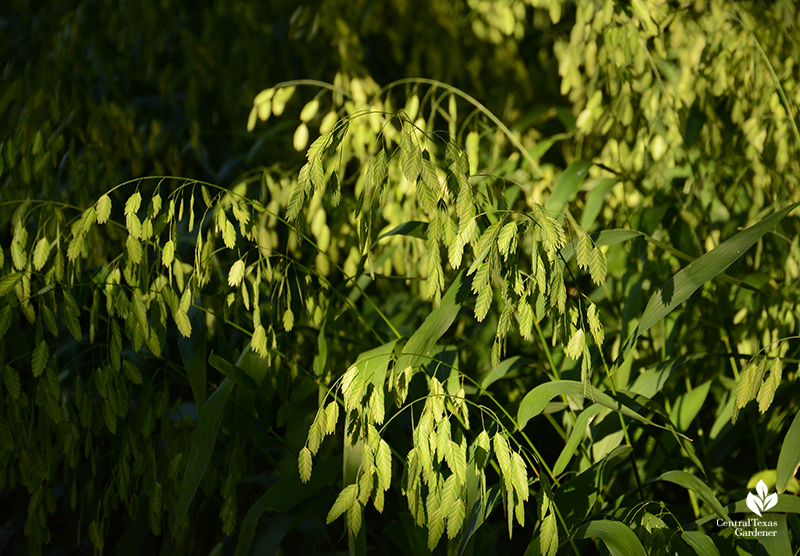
<point x="493" y="277"/>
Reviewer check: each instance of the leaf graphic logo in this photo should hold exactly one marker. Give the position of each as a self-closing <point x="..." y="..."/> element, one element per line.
<point x="762" y="502"/>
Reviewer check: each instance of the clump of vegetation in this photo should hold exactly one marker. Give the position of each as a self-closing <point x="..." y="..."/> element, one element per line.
<point x="403" y="315"/>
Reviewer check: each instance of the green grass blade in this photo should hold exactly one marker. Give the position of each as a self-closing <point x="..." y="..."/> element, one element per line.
<point x="569" y="181"/>
<point x="789" y="458"/>
<point x="617" y="537"/>
<point x="575" y="437"/>
<point x="419" y="347"/>
<point x="685" y="282"/>
<point x="505" y="367"/>
<point x="205" y="437"/>
<point x="688" y="405"/>
<point x="778" y="545"/>
<point x="233" y="372"/>
<point x="613" y="237"/>
<point x="412" y="228"/>
<point x="537" y="399"/>
<point x="690" y="482"/>
<point x="373" y="364"/>
<point x="594" y="201"/>
<point x="700" y="543"/>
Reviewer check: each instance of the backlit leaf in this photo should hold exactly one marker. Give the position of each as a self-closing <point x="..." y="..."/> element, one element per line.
<point x="503" y="454"/>
<point x="344" y="501"/>
<point x="483" y="303"/>
<point x="183" y="323"/>
<point x="455" y="518"/>
<point x="40" y="253"/>
<point x="576" y="343"/>
<point x="583" y="251"/>
<point x="300" y="138"/>
<point x="383" y="463"/>
<point x="288" y="320"/>
<point x="133" y="225"/>
<point x="597" y="266"/>
<point x="229" y="234"/>
<point x="595" y="326"/>
<point x="133" y="203"/>
<point x="304" y="464"/>
<point x="168" y="254"/>
<point x="295" y="203"/>
<point x="103" y="209"/>
<point x="309" y="110"/>
<point x="506" y="238"/>
<point x="259" y="341"/>
<point x="354" y="518"/>
<point x="548" y="539"/>
<point x="436" y="522"/>
<point x="236" y="273"/>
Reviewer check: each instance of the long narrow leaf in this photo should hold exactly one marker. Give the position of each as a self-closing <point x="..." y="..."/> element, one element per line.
<point x="537" y="399"/>
<point x="279" y="525"/>
<point x="569" y="181"/>
<point x="373" y="364"/>
<point x="203" y="442"/>
<point x="613" y="237"/>
<point x="789" y="458"/>
<point x="700" y="543"/>
<point x="505" y="367"/>
<point x="412" y="228"/>
<point x="575" y="437"/>
<point x="690" y="482"/>
<point x="419" y="347"/>
<point x="684" y="283"/>
<point x="578" y="496"/>
<point x="779" y="544"/>
<point x="618" y="537"/>
<point x="594" y="201"/>
<point x="233" y="372"/>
